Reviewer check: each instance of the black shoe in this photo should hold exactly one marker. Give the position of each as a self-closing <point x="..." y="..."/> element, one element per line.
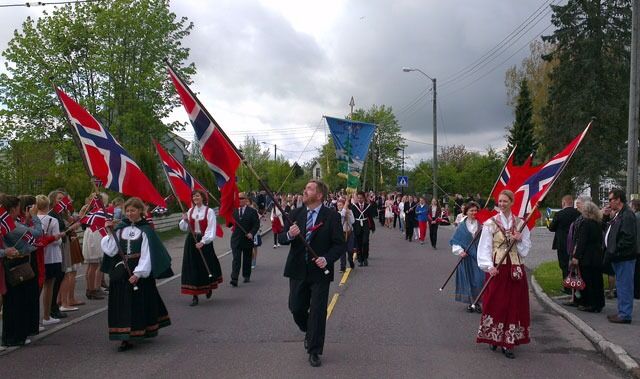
<point x="342" y="270"/>
<point x="246" y="280"/>
<point x="352" y="265"/>
<point x="306" y="344"/>
<point x="470" y="309"/>
<point x="209" y="293"/>
<point x="478" y="308"/>
<point x="508" y="353"/>
<point x="234" y="283"/>
<point x="314" y="360"/>
<point x="360" y="264"/>
<point x="194" y="301"/>
<point x="58" y="314"/>
<point x="366" y="262"/>
<point x="124" y="346"/>
<point x="493" y="347"/>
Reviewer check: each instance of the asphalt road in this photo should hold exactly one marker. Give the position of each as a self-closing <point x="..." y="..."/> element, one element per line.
<point x="389" y="321"/>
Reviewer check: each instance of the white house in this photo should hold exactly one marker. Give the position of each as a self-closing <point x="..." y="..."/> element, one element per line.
<point x="316" y="170"/>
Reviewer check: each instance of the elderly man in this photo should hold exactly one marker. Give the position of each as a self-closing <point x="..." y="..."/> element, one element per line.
<point x="621" y="251"/>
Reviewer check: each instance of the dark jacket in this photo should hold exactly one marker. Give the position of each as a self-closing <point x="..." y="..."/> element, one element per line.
<point x="560" y="225"/>
<point x="327" y="241"/>
<point x="250" y="222"/>
<point x="368" y="215"/>
<point x="589" y="243"/>
<point x="621" y="241"/>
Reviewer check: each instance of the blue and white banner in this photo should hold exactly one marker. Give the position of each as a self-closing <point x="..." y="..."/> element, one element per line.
<point x="351" y="139"/>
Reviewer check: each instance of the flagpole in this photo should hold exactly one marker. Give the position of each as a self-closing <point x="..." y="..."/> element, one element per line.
<point x="262" y="183"/>
<point x="564" y="165"/>
<point x="193" y="233"/>
<point x="513" y="151"/>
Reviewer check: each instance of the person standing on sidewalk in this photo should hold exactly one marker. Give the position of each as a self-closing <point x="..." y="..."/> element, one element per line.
<point x="621" y="251"/>
<point x="308" y="284"/>
<point x="247" y="225"/>
<point x="560" y="225"/>
<point x="588" y="257"/>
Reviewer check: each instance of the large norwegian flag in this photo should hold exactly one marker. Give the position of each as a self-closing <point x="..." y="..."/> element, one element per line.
<point x="105" y="157"/>
<point x="63" y="205"/>
<point x="217" y="151"/>
<point x="7" y="224"/>
<point x="536" y="186"/>
<point x="181" y="181"/>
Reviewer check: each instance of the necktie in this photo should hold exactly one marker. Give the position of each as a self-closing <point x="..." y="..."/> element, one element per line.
<point x="307" y="236"/>
<point x="240" y="212"/>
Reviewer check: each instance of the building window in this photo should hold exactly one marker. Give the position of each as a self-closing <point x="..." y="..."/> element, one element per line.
<point x="317" y="172"/>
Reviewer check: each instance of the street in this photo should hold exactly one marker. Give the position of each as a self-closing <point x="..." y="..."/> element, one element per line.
<point x="388" y="321"/>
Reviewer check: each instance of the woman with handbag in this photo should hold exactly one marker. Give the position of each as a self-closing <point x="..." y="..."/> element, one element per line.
<point x="201" y="272"/>
<point x="588" y="256"/>
<point x="505" y="304"/>
<point x="134" y="258"/>
<point x="21" y="311"/>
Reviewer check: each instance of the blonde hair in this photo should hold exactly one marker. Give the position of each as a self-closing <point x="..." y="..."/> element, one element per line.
<point x="508" y="194"/>
<point x="42" y="203"/>
<point x="591" y="211"/>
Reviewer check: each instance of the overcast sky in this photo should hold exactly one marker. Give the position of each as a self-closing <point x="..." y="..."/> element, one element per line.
<point x="272" y="68"/>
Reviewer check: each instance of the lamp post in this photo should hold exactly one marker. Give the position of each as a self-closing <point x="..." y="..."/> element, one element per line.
<point x="435" y="128"/>
<point x="275" y="150"/>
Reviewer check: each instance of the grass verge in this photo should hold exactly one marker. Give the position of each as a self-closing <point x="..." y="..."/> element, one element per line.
<point x="549" y="277"/>
<point x="169" y="234"/>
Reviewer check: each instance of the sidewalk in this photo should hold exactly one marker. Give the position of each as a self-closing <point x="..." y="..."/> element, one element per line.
<point x="618" y="342"/>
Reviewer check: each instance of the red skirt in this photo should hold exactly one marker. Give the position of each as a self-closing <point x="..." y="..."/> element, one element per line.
<point x="276" y="225"/>
<point x="505" y="309"/>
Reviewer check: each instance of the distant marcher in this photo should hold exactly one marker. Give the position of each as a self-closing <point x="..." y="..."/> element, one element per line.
<point x="434" y="216"/>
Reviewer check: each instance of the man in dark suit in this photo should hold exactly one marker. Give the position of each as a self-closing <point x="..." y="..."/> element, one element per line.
<point x="560" y="225"/>
<point x="621" y="252"/>
<point x="308" y="284"/>
<point x="247" y="225"/>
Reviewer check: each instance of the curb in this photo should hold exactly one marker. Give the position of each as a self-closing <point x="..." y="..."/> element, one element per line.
<point x="613" y="352"/>
<point x="39" y="336"/>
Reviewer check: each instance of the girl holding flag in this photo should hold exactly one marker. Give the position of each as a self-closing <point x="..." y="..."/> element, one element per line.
<point x="201" y="271"/>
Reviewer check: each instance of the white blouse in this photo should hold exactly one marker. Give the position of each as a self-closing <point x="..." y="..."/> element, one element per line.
<point x="198" y="214"/>
<point x="485" y="246"/>
<point x="472" y="226"/>
<point x="53" y="251"/>
<point x="129" y="233"/>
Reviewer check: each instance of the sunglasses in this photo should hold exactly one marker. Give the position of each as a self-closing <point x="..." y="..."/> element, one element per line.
<point x="242" y="198"/>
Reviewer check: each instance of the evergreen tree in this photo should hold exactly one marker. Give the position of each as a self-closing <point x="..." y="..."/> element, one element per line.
<point x="521" y="133"/>
<point x="592" y="41"/>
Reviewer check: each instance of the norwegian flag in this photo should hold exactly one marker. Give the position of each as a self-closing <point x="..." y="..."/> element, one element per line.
<point x="28" y="238"/>
<point x="105" y="157"/>
<point x="220" y="155"/>
<point x="7" y="224"/>
<point x="536" y="186"/>
<point x="97" y="216"/>
<point x="181" y="181"/>
<point x="64" y="204"/>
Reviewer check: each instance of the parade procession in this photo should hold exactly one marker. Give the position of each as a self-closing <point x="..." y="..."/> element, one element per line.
<point x="258" y="189"/>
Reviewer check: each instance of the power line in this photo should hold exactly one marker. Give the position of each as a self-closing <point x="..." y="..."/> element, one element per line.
<point x="30" y="4"/>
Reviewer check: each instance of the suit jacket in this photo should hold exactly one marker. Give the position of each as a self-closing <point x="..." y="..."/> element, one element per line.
<point x="560" y="225"/>
<point x="249" y="222"/>
<point x="368" y="214"/>
<point x="621" y="241"/>
<point x="327" y="241"/>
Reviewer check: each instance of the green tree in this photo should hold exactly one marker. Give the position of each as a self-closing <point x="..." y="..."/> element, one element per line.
<point x="258" y="159"/>
<point x="521" y="133"/>
<point x="591" y="78"/>
<point x="106" y="55"/>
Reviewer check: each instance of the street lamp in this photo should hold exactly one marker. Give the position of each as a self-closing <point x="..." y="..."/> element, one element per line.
<point x="435" y="128"/>
<point x="275" y="149"/>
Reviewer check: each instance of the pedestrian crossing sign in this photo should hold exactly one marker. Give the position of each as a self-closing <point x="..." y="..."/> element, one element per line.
<point x="403" y="181"/>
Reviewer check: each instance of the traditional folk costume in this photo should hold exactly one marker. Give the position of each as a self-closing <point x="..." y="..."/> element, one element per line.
<point x="364" y="215"/>
<point x="135" y="314"/>
<point x="21" y="306"/>
<point x="469" y="277"/>
<point x="195" y="278"/>
<point x="505" y="314"/>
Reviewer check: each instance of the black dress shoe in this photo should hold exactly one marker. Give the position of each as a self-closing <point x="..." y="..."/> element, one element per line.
<point x="209" y="293"/>
<point x="194" y="301"/>
<point x="314" y="360"/>
<point x="470" y="309"/>
<point x="246" y="280"/>
<point x="58" y="314"/>
<point x="508" y="353"/>
<point x="366" y="262"/>
<point x="124" y="346"/>
<point x="234" y="283"/>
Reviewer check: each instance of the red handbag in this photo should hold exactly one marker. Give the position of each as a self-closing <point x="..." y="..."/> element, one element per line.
<point x="574" y="279"/>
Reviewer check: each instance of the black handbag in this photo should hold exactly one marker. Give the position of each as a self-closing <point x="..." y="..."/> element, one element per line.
<point x="20" y="273"/>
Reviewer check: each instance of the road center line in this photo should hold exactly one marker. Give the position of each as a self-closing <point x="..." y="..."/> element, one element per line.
<point x="345" y="276"/>
<point x="332" y="304"/>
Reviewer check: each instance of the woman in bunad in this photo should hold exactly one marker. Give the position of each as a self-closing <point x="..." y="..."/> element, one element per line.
<point x="21" y="311"/>
<point x="277" y="223"/>
<point x="505" y="314"/>
<point x="469" y="277"/>
<point x="388" y="211"/>
<point x="136" y="310"/>
<point x="199" y="221"/>
<point x="92" y="252"/>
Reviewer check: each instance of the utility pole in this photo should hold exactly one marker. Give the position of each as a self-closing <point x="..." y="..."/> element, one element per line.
<point x="634" y="104"/>
<point x="435" y="140"/>
<point x="351" y="104"/>
<point x="275" y="152"/>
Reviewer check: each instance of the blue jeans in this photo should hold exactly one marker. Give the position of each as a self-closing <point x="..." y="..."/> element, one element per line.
<point x="624" y="287"/>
